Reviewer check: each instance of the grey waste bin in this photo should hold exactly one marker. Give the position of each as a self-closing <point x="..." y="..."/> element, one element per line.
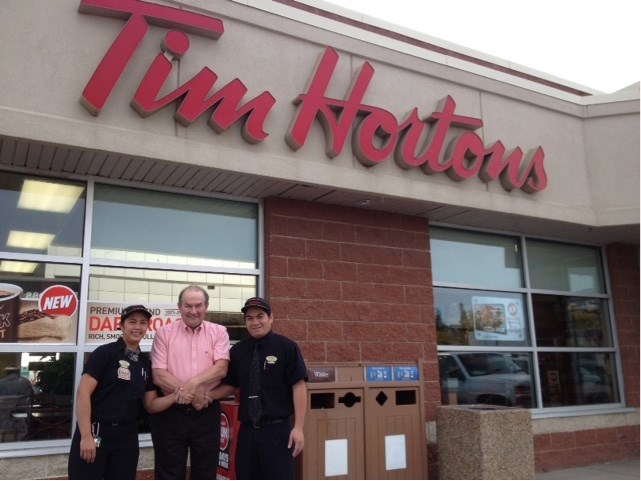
<point x="481" y="441"/>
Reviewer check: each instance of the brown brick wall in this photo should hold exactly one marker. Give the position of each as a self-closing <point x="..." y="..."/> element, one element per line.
<point x="562" y="450"/>
<point x="581" y="448"/>
<point x="623" y="263"/>
<point x="352" y="285"/>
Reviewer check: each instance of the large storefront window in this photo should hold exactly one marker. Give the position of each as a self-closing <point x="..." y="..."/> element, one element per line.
<point x="57" y="303"/>
<point x="146" y="226"/>
<point x="36" y="394"/>
<point x="40" y="216"/>
<point x="561" y="267"/>
<point x="111" y="289"/>
<point x="39" y="305"/>
<point x="476" y="259"/>
<point x="541" y="340"/>
<point x="500" y="378"/>
<point x="568" y="321"/>
<point x="469" y="317"/>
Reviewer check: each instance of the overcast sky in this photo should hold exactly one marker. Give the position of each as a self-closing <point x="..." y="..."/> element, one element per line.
<point x="589" y="42"/>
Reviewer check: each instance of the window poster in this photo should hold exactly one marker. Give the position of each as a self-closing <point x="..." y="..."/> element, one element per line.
<point x="46" y="313"/>
<point x="103" y="321"/>
<point x="498" y="319"/>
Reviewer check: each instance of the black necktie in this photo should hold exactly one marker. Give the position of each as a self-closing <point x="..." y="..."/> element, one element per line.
<point x="255" y="408"/>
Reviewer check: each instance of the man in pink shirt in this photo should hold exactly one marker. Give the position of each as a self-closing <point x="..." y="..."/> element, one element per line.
<point x="189" y="357"/>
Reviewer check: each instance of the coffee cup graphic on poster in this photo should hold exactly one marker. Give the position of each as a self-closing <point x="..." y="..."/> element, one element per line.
<point x="10" y="295"/>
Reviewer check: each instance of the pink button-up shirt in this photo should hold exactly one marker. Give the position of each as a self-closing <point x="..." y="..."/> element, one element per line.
<point x="185" y="353"/>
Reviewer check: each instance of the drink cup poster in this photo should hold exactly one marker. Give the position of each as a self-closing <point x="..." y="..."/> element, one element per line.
<point x="34" y="316"/>
<point x="103" y="321"/>
<point x="498" y="319"/>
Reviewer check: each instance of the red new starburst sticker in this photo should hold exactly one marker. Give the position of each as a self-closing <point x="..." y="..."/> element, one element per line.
<point x="58" y="301"/>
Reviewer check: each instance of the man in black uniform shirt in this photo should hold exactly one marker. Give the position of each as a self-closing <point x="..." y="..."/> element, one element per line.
<point x="266" y="405"/>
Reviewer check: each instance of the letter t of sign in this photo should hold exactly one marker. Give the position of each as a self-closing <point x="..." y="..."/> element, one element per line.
<point x="138" y="15"/>
<point x="255" y="408"/>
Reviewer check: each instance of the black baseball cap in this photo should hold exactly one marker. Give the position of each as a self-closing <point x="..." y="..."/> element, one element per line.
<point x="129" y="310"/>
<point x="257" y="302"/>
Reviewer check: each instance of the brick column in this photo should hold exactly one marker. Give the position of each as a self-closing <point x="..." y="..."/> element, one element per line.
<point x="352" y="285"/>
<point x="623" y="264"/>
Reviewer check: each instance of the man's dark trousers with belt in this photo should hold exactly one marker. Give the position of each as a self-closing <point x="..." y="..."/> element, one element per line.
<point x="261" y="450"/>
<point x="181" y="429"/>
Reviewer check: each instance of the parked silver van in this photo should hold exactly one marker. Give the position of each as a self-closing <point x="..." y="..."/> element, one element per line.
<point x="485" y="378"/>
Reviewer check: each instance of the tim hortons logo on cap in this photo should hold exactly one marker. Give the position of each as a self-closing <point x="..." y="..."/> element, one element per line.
<point x="442" y="141"/>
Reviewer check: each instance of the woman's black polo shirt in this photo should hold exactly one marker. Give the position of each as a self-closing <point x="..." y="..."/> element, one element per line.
<point x="282" y="367"/>
<point x="121" y="383"/>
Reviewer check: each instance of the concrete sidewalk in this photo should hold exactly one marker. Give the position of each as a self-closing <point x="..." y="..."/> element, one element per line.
<point x="628" y="469"/>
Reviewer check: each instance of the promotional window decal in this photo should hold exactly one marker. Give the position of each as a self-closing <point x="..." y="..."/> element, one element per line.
<point x="103" y="321"/>
<point x="50" y="316"/>
<point x="498" y="319"/>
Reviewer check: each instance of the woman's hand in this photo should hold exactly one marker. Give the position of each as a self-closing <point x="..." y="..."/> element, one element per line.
<point x="88" y="449"/>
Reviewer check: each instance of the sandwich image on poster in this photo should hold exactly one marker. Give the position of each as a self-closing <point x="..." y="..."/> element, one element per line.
<point x="38" y="326"/>
<point x="498" y="318"/>
<point x="52" y="317"/>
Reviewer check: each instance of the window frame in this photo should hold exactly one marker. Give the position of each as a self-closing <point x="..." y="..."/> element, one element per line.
<point x="81" y="347"/>
<point x="533" y="349"/>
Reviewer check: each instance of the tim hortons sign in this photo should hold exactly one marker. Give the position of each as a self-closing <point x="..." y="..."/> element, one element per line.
<point x="376" y="134"/>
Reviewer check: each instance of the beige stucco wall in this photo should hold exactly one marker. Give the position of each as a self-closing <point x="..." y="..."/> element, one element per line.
<point x="612" y="157"/>
<point x="49" y="53"/>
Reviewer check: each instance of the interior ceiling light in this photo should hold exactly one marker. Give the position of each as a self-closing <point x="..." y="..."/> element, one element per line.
<point x="29" y="240"/>
<point x="49" y="196"/>
<point x="15" y="266"/>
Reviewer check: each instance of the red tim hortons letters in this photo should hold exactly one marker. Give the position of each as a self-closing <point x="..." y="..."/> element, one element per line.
<point x="441" y="142"/>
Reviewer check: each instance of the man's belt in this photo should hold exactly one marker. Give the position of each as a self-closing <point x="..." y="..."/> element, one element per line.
<point x="265" y="422"/>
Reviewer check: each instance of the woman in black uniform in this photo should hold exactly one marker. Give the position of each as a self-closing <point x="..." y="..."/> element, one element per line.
<point x="116" y="377"/>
